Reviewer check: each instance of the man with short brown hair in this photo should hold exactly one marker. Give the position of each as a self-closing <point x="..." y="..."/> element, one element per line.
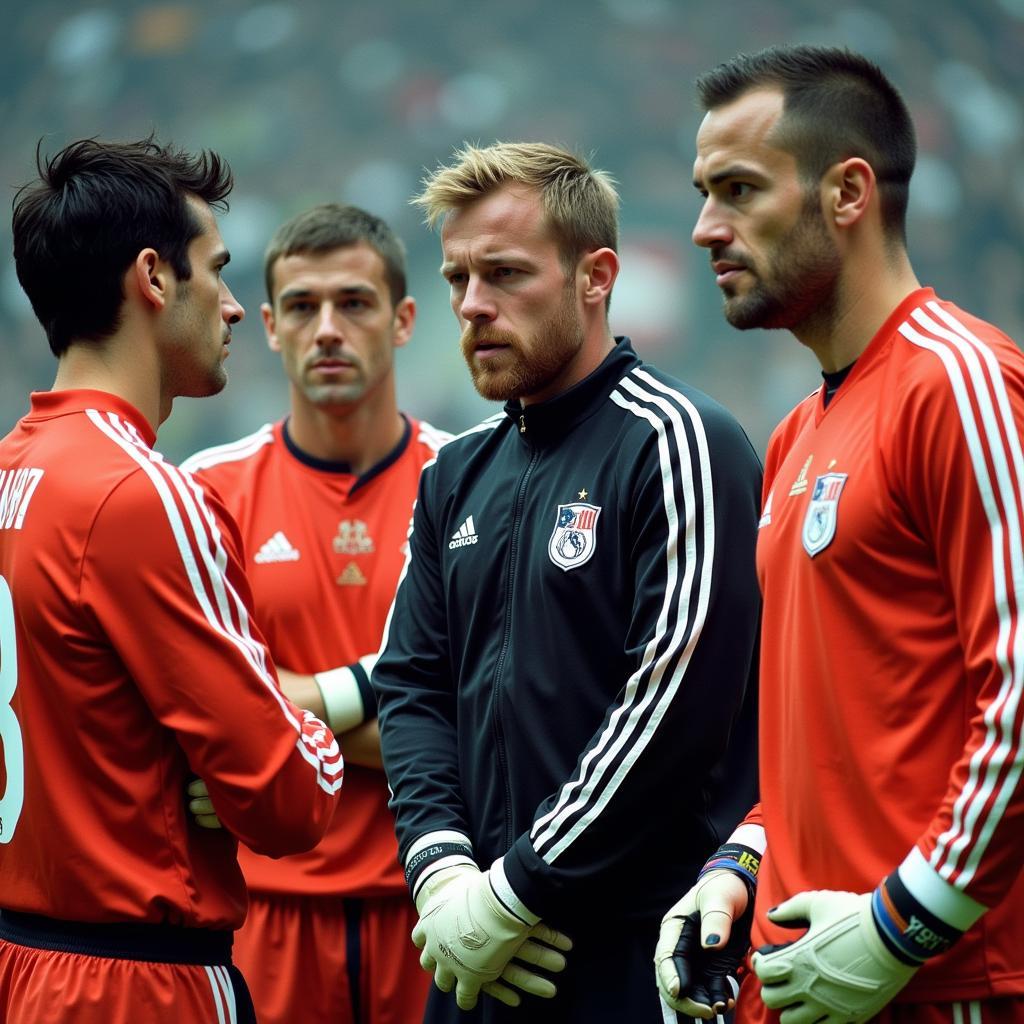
<point x="323" y="499"/>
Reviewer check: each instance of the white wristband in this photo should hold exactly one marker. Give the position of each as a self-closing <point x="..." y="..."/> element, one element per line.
<point x="506" y="894"/>
<point x="750" y="835"/>
<point x="343" y="702"/>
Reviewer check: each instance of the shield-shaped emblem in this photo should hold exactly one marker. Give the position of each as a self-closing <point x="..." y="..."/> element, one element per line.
<point x="574" y="537"/>
<point x="822" y="512"/>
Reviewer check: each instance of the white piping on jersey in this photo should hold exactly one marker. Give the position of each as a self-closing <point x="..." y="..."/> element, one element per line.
<point x="488" y="424"/>
<point x="152" y="463"/>
<point x="432" y="437"/>
<point x="327" y="760"/>
<point x="233" y="451"/>
<point x="645" y="686"/>
<point x="959" y="850"/>
<point x="223" y="994"/>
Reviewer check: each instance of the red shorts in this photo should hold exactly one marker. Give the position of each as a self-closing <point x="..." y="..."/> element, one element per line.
<point x="43" y="986"/>
<point x="1007" y="1010"/>
<point x="344" y="960"/>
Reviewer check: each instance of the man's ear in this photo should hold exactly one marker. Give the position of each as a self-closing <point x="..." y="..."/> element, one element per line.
<point x="405" y="320"/>
<point x="850" y="186"/>
<point x="599" y="269"/>
<point x="149" y="277"/>
<point x="269" y="328"/>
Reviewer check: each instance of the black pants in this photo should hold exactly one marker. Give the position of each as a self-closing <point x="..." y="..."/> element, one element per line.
<point x="609" y="979"/>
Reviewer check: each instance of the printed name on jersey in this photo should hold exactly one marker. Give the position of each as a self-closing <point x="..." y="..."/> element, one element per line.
<point x="574" y="538"/>
<point x="16" y="489"/>
<point x="464" y="535"/>
<point x="800" y="484"/>
<point x="278" y="549"/>
<point x="351" y="576"/>
<point x="353" y="538"/>
<point x="822" y="512"/>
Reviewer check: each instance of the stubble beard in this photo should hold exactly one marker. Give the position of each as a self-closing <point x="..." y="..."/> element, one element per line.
<point x="328" y="396"/>
<point x="801" y="284"/>
<point x="193" y="377"/>
<point x="524" y="373"/>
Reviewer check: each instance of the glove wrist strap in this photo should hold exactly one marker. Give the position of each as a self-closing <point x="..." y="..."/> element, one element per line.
<point x="741" y="860"/>
<point x="433" y="852"/>
<point x="508" y="897"/>
<point x="909" y="931"/>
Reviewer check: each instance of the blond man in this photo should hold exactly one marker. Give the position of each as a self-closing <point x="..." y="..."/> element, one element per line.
<point x="575" y="624"/>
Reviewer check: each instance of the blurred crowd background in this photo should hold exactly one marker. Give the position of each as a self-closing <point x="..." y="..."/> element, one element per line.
<point x="354" y="101"/>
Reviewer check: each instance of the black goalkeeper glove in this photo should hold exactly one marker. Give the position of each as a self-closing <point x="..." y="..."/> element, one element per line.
<point x="705" y="937"/>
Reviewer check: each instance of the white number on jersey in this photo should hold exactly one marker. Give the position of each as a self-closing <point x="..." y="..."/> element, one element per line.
<point x="10" y="731"/>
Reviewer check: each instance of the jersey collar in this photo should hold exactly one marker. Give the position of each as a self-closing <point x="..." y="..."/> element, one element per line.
<point x="331" y="466"/>
<point x="551" y="419"/>
<point x="48" y="404"/>
<point x="873" y="351"/>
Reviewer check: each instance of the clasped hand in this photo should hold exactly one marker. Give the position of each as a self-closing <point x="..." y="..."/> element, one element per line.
<point x="471" y="941"/>
<point x="839" y="971"/>
<point x="703" y="941"/>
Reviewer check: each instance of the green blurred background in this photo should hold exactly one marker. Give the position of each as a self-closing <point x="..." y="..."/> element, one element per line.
<point x="318" y="101"/>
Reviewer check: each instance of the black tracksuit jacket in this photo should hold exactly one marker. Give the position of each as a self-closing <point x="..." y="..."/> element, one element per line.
<point x="573" y="643"/>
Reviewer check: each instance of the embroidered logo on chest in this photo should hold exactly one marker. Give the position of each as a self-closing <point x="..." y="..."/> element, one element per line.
<point x="822" y="512"/>
<point x="351" y="576"/>
<point x="352" y="538"/>
<point x="800" y="483"/>
<point x="574" y="537"/>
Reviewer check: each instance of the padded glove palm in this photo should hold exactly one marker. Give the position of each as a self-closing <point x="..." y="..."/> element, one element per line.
<point x="472" y="941"/>
<point x="839" y="972"/>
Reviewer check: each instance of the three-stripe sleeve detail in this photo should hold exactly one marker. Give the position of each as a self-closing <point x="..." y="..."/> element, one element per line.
<point x="993" y="443"/>
<point x="688" y="498"/>
<point x="199" y="543"/>
<point x="233" y="451"/>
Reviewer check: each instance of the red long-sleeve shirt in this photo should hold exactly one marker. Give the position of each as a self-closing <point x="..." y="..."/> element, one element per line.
<point x="891" y="560"/>
<point x="130" y="663"/>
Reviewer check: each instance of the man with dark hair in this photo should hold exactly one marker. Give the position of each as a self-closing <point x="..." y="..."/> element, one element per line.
<point x="323" y="499"/>
<point x="129" y="661"/>
<point x="891" y="566"/>
<point x="575" y="623"/>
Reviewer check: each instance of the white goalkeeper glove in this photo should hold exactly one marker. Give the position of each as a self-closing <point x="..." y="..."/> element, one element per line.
<point x="839" y="972"/>
<point x="469" y="938"/>
<point x="703" y="940"/>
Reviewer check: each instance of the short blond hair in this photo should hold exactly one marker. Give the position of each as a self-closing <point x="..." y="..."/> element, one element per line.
<point x="581" y="202"/>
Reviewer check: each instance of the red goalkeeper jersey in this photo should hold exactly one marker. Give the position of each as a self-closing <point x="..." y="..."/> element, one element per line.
<point x="128" y="664"/>
<point x="891" y="559"/>
<point x="324" y="550"/>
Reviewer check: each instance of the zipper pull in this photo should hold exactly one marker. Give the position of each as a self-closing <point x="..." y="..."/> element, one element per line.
<point x="522" y="423"/>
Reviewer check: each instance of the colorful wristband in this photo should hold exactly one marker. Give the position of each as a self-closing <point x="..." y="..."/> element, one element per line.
<point x="742" y="860"/>
<point x="911" y="932"/>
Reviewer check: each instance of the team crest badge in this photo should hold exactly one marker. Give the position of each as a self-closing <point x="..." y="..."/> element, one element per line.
<point x="574" y="537"/>
<point x="822" y="512"/>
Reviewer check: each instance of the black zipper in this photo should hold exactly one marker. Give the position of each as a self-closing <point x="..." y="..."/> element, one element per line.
<point x="513" y="547"/>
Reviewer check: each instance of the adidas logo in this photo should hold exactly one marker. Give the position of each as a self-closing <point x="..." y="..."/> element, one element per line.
<point x="277" y="549"/>
<point x="464" y="535"/>
<point x="352" y="576"/>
